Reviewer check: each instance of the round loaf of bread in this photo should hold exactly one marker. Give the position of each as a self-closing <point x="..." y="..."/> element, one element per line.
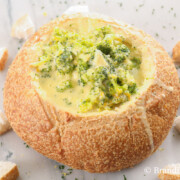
<point x="95" y="141"/>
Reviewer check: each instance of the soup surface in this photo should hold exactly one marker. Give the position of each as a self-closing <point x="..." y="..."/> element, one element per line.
<point x="87" y="71"/>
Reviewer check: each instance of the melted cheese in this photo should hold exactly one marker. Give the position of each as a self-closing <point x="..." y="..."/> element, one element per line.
<point x="69" y="99"/>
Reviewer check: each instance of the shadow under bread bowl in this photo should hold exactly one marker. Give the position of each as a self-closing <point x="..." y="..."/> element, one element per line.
<point x="97" y="137"/>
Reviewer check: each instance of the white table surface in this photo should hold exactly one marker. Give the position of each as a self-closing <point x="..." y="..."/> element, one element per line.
<point x="160" y="18"/>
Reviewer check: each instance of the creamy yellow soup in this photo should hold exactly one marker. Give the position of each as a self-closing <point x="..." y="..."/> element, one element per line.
<point x="87" y="71"/>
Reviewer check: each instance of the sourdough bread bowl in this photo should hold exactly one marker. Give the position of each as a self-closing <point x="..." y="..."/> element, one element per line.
<point x="118" y="122"/>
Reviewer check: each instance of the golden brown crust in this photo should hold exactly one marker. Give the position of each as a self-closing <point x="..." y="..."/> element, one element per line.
<point x="97" y="143"/>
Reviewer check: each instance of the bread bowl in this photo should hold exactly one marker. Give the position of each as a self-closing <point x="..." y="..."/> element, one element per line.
<point x="110" y="136"/>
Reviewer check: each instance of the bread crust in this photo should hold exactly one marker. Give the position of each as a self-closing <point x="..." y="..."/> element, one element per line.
<point x="95" y="143"/>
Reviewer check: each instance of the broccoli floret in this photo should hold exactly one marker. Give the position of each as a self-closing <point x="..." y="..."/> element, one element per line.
<point x="64" y="86"/>
<point x="63" y="37"/>
<point x="123" y="48"/>
<point x="87" y="43"/>
<point x="67" y="101"/>
<point x="132" y="88"/>
<point x="106" y="30"/>
<point x="105" y="48"/>
<point x="100" y="74"/>
<point x="83" y="66"/>
<point x="96" y="76"/>
<point x="45" y="70"/>
<point x="85" y="105"/>
<point x="65" y="62"/>
<point x="119" y="54"/>
<point x="136" y="62"/>
<point x="118" y="59"/>
<point x="103" y="31"/>
<point x="120" y="99"/>
<point x="114" y="55"/>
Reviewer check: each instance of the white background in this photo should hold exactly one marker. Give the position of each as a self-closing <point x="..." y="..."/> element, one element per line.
<point x="160" y="18"/>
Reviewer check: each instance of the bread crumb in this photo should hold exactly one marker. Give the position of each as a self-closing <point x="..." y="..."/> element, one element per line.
<point x="8" y="171"/>
<point x="170" y="172"/>
<point x="3" y="57"/>
<point x="23" y="28"/>
<point x="4" y="124"/>
<point x="176" y="53"/>
<point x="177" y="123"/>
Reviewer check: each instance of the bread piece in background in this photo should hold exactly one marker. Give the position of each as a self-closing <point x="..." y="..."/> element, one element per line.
<point x="3" y="57"/>
<point x="170" y="172"/>
<point x="8" y="171"/>
<point x="4" y="124"/>
<point x="176" y="53"/>
<point x="23" y="28"/>
<point x="177" y="123"/>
